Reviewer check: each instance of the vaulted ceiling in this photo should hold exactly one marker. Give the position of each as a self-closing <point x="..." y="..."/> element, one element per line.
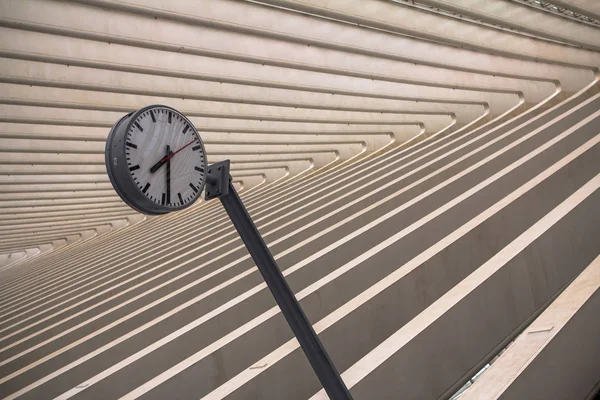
<point x="280" y="87"/>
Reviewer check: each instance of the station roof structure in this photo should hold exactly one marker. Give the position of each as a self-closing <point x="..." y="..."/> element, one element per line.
<point x="277" y="86"/>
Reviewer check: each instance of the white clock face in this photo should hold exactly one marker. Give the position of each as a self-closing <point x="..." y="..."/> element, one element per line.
<point x="165" y="157"/>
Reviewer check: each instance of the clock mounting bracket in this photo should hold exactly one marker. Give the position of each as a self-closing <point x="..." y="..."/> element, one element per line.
<point x="217" y="180"/>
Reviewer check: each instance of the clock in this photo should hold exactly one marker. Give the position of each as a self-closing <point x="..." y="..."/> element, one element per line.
<point x="156" y="160"/>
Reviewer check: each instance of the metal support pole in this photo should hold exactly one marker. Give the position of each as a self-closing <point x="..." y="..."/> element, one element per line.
<point x="219" y="185"/>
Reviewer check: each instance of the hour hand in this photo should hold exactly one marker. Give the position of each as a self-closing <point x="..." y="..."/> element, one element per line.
<point x="159" y="164"/>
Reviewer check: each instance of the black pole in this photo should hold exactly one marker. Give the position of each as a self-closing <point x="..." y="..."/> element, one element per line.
<point x="290" y="308"/>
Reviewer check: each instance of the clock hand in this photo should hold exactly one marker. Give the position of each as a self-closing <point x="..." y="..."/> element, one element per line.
<point x="166" y="158"/>
<point x="168" y="175"/>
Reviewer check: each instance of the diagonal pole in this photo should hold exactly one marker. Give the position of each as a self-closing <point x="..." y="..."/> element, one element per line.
<point x="218" y="184"/>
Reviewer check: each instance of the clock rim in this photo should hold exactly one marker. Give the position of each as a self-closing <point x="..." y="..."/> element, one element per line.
<point x="113" y="170"/>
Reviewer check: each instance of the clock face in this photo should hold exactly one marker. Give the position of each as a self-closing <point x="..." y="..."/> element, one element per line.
<point x="162" y="155"/>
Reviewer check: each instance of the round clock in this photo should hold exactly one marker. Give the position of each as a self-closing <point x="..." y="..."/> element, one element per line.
<point x="156" y="160"/>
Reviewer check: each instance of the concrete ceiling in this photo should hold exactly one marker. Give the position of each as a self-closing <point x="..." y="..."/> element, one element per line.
<point x="280" y="87"/>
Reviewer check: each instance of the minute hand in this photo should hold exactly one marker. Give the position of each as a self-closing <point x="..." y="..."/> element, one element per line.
<point x="166" y="158"/>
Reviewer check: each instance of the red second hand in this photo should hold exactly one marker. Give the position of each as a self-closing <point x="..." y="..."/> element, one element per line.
<point x="172" y="154"/>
